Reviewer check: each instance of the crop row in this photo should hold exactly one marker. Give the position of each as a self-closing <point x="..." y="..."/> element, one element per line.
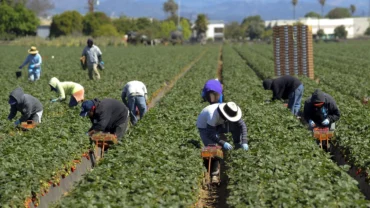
<point x="352" y="129"/>
<point x="29" y="160"/>
<point x="284" y="167"/>
<point x="158" y="164"/>
<point x="335" y="67"/>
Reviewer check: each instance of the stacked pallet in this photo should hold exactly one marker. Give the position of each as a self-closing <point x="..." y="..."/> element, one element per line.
<point x="293" y="50"/>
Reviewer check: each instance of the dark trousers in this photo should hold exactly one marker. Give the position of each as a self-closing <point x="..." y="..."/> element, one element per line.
<point x="120" y="130"/>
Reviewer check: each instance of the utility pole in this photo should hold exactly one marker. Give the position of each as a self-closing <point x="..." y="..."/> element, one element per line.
<point x="178" y="15"/>
<point x="91" y="4"/>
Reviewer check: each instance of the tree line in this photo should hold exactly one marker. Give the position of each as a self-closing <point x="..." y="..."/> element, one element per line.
<point x="253" y="27"/>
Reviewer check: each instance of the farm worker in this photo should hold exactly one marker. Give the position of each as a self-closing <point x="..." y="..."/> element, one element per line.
<point x="34" y="62"/>
<point x="286" y="87"/>
<point x="107" y="115"/>
<point x="93" y="57"/>
<point x="320" y="110"/>
<point x="212" y="91"/>
<point x="29" y="106"/>
<point x="134" y="95"/>
<point x="76" y="91"/>
<point x="217" y="119"/>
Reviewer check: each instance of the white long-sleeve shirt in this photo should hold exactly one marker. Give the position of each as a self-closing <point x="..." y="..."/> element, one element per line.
<point x="134" y="88"/>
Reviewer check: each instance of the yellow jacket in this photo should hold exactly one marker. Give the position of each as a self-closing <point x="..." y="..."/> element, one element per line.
<point x="65" y="88"/>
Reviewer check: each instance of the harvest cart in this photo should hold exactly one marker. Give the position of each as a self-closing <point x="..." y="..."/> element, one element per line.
<point x="323" y="135"/>
<point x="25" y="126"/>
<point x="209" y="153"/>
<point x="102" y="142"/>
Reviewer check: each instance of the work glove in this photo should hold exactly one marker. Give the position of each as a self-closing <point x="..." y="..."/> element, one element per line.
<point x="325" y="122"/>
<point x="17" y="122"/>
<point x="228" y="146"/>
<point x="311" y="123"/>
<point x="245" y="147"/>
<point x="54" y="100"/>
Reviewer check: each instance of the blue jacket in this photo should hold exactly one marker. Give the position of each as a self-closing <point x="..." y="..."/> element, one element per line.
<point x="34" y="62"/>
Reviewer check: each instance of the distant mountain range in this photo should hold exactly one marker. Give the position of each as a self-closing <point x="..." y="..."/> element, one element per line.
<point x="227" y="10"/>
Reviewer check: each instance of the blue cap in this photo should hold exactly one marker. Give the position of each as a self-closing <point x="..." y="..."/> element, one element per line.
<point x="213" y="85"/>
<point x="86" y="107"/>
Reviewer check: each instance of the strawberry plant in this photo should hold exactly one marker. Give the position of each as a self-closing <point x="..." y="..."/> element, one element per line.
<point x="284" y="167"/>
<point x="157" y="165"/>
<point x="49" y="151"/>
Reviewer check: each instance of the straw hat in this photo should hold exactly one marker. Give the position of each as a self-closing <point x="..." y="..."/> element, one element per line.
<point x="33" y="50"/>
<point x="230" y="111"/>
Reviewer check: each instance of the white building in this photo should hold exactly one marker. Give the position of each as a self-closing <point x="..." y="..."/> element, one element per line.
<point x="215" y="31"/>
<point x="355" y="26"/>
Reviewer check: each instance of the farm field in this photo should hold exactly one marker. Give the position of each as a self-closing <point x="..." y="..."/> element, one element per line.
<point x="159" y="164"/>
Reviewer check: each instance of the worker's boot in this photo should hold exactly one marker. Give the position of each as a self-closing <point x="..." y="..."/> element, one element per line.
<point x="215" y="171"/>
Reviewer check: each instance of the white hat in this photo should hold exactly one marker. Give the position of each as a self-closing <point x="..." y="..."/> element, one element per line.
<point x="230" y="111"/>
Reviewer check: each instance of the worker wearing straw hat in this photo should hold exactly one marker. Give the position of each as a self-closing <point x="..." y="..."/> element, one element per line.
<point x="217" y="119"/>
<point x="34" y="62"/>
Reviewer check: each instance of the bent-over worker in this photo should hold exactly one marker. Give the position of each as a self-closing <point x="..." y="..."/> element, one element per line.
<point x="320" y="110"/>
<point x="286" y="87"/>
<point x="29" y="106"/>
<point x="134" y="95"/>
<point x="75" y="90"/>
<point x="212" y="91"/>
<point x="217" y="119"/>
<point x="107" y="115"/>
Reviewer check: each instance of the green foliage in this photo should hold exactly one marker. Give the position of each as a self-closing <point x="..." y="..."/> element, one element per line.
<point x="171" y="7"/>
<point x="166" y="28"/>
<point x="107" y="30"/>
<point x="159" y="165"/>
<point x="367" y="32"/>
<point x="201" y="24"/>
<point x="233" y="31"/>
<point x="142" y="23"/>
<point x="340" y="32"/>
<point x="267" y="34"/>
<point x="320" y="33"/>
<point x="92" y="21"/>
<point x="284" y="167"/>
<point x="253" y="26"/>
<point x="67" y="23"/>
<point x="338" y="13"/>
<point x="186" y="30"/>
<point x="312" y="14"/>
<point x="17" y="20"/>
<point x="26" y="158"/>
<point x="125" y="24"/>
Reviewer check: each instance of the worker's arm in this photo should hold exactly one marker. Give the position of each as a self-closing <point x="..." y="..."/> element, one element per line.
<point x="62" y="94"/>
<point x="26" y="113"/>
<point x="84" y="52"/>
<point x="212" y="135"/>
<point x="244" y="131"/>
<point x="28" y="59"/>
<point x="39" y="62"/>
<point x="307" y="111"/>
<point x="145" y="92"/>
<point x="277" y="93"/>
<point x="99" y="53"/>
<point x="124" y="95"/>
<point x="13" y="112"/>
<point x="100" y="122"/>
<point x="334" y="113"/>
